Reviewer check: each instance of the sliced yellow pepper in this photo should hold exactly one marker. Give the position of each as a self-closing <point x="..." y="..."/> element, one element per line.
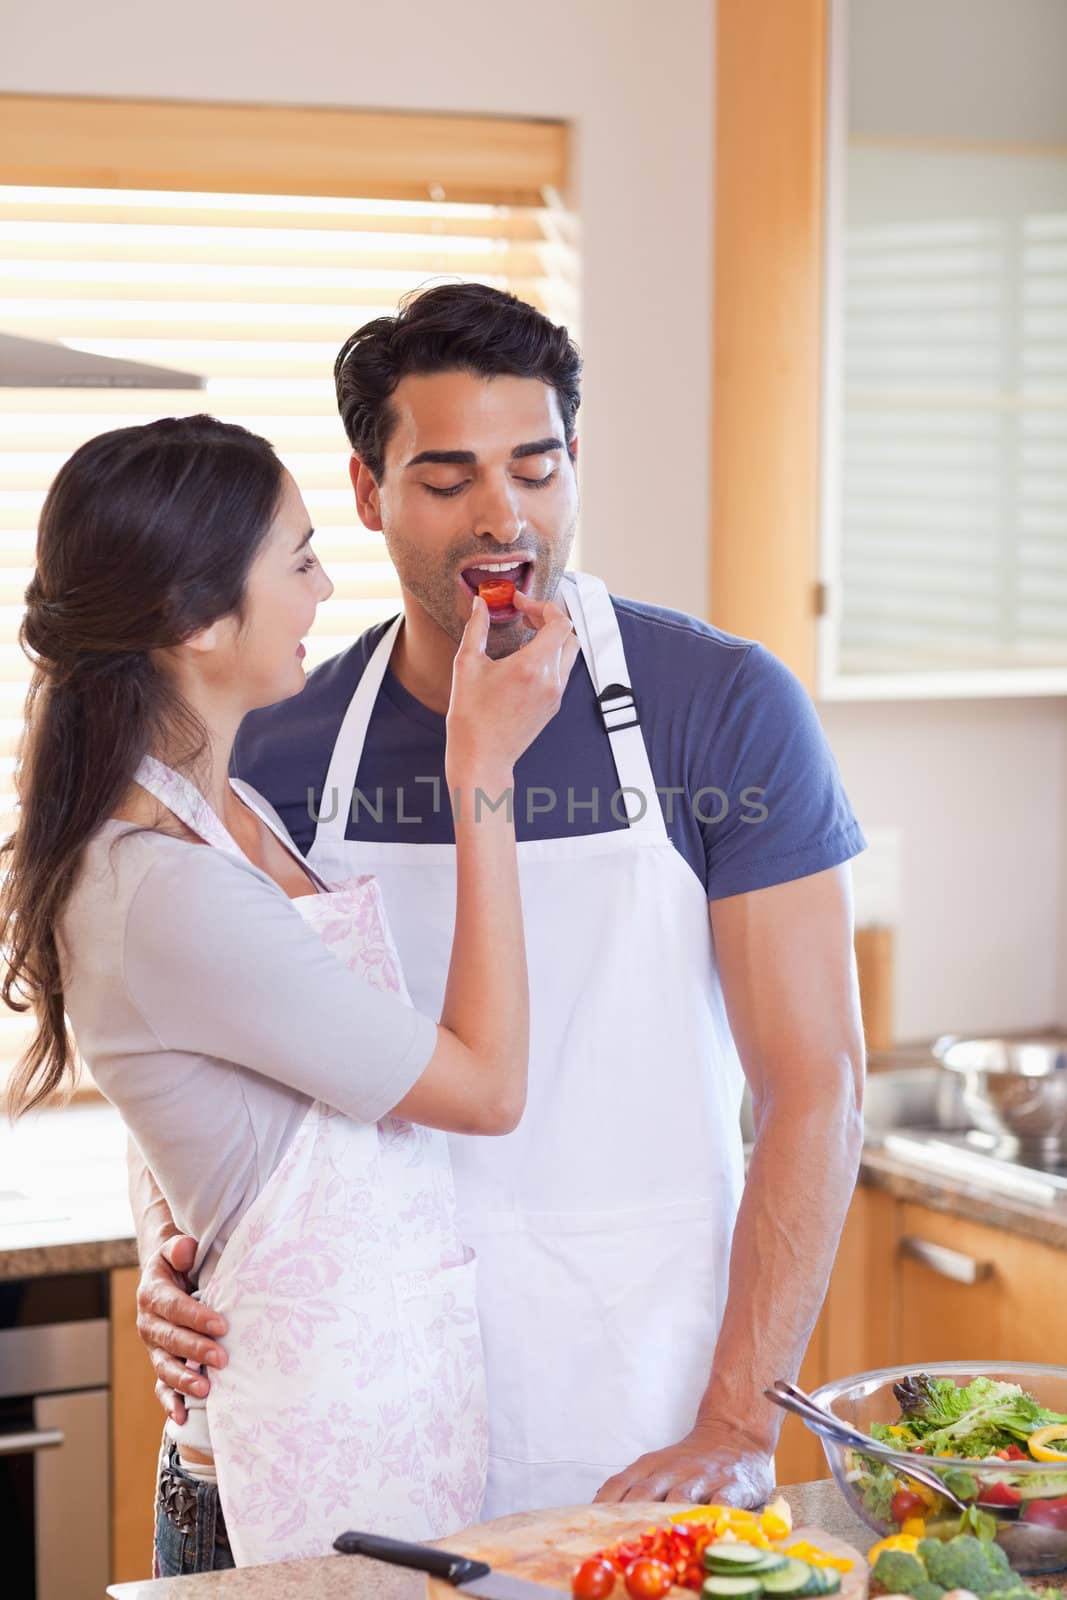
<point x="777" y="1520"/>
<point x="804" y="1551"/>
<point x="1040" y="1442"/>
<point x="896" y="1541"/>
<point x="914" y="1527"/>
<point x="700" y="1514"/>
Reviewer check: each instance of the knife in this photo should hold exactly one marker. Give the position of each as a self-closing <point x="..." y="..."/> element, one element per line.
<point x="464" y="1573"/>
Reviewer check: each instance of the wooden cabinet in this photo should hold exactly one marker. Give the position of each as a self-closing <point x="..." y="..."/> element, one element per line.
<point x="912" y="1286"/>
<point x="136" y="1429"/>
<point x="967" y="1292"/>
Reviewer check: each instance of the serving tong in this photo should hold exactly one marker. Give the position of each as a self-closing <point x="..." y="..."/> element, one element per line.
<point x="792" y="1398"/>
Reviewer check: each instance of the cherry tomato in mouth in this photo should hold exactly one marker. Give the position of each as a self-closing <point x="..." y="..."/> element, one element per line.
<point x="647" y="1579"/>
<point x="593" y="1580"/>
<point x="496" y="594"/>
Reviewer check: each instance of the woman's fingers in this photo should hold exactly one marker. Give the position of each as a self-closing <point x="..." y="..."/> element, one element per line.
<point x="532" y="610"/>
<point x="476" y="633"/>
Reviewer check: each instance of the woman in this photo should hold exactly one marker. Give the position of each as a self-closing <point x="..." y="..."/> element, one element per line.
<point x="249" y="1020"/>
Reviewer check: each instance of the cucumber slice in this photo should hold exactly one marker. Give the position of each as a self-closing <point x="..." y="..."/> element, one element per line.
<point x="789" y="1582"/>
<point x="773" y="1561"/>
<point x="732" y="1557"/>
<point x="824" y="1580"/>
<point x="721" y="1587"/>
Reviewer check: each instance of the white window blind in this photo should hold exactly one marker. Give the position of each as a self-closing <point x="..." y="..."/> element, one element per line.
<point x="954" y="443"/>
<point x="256" y="293"/>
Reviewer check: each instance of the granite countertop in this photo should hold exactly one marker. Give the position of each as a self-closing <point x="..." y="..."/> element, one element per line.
<point x="63" y="1202"/>
<point x="906" y="1180"/>
<point x="347" y="1577"/>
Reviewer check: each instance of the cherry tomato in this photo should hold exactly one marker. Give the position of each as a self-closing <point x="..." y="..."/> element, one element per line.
<point x="907" y="1504"/>
<point x="999" y="1494"/>
<point x="1047" y="1513"/>
<point x="497" y="593"/>
<point x="647" y="1579"/>
<point x="593" y="1580"/>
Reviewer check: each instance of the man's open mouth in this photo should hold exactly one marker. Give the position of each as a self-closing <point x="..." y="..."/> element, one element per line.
<point x="507" y="571"/>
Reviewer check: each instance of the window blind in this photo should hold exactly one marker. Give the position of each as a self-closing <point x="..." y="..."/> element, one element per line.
<point x="256" y="293"/>
<point x="954" y="491"/>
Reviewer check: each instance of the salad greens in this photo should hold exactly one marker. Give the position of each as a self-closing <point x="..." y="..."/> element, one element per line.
<point x="972" y="1420"/>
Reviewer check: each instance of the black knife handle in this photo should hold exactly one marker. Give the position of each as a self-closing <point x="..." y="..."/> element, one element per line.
<point x="423" y="1557"/>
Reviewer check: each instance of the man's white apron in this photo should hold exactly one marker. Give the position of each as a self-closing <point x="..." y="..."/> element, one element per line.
<point x="354" y="1393"/>
<point x="603" y="1223"/>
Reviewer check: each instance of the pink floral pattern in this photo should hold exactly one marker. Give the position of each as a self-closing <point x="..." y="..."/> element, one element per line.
<point x="354" y="1393"/>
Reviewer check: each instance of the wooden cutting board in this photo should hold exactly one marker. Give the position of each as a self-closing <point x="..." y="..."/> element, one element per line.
<point x="546" y="1546"/>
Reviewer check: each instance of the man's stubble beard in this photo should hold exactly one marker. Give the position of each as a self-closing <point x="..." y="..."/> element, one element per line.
<point x="436" y="592"/>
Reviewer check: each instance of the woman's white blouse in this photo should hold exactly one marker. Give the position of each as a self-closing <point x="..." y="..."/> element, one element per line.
<point x="211" y="1015"/>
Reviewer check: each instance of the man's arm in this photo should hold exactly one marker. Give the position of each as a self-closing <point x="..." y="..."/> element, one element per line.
<point x="787" y="966"/>
<point x="175" y="1327"/>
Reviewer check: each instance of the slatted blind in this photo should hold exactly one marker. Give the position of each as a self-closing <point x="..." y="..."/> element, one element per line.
<point x="256" y="293"/>
<point x="954" y="448"/>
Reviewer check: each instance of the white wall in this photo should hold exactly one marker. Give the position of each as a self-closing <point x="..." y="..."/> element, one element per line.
<point x="634" y="78"/>
<point x="978" y="790"/>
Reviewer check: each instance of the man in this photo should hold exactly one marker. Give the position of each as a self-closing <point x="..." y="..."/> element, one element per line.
<point x="683" y="847"/>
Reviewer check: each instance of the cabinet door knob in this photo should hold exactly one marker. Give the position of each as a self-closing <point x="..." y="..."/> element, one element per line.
<point x="945" y="1262"/>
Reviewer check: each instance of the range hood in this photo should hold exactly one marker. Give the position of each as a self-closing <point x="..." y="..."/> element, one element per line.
<point x="41" y="364"/>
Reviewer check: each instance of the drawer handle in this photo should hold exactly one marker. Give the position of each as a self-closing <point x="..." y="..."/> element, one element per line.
<point x="945" y="1262"/>
<point x="23" y="1444"/>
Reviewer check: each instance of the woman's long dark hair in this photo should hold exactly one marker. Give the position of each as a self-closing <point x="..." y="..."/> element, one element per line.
<point x="146" y="536"/>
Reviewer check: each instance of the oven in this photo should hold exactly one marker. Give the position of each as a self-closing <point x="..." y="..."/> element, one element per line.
<point x="55" y="1454"/>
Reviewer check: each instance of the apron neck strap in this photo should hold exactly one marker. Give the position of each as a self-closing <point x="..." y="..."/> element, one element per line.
<point x="589" y="604"/>
<point x="336" y="798"/>
<point x="186" y="802"/>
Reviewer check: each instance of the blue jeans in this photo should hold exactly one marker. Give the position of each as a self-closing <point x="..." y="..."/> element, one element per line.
<point x="190" y="1529"/>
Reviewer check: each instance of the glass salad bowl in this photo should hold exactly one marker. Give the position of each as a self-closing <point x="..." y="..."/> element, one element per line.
<point x="1020" y="1500"/>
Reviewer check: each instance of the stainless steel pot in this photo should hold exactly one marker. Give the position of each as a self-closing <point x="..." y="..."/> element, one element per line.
<point x="1015" y="1089"/>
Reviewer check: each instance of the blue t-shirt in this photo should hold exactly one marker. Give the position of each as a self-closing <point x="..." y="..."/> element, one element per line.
<point x="749" y="789"/>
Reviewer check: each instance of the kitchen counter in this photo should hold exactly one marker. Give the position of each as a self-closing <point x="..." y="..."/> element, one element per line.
<point x="63" y="1202"/>
<point x="906" y="1180"/>
<point x="64" y="1208"/>
<point x="346" y="1577"/>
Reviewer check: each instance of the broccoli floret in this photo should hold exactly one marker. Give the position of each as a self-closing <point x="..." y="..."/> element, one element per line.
<point x="963" y="1563"/>
<point x="927" y="1548"/>
<point x="999" y="1564"/>
<point x="899" y="1572"/>
<point x="927" y="1591"/>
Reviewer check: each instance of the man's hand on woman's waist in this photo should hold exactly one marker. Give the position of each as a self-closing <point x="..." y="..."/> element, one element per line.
<point x="176" y="1328"/>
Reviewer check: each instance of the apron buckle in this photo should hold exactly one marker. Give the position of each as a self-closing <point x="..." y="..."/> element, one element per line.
<point x="616" y="701"/>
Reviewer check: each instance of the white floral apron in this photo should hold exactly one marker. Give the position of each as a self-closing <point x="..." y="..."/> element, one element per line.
<point x="354" y="1394"/>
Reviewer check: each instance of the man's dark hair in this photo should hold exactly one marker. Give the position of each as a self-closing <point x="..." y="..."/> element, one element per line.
<point x="456" y="327"/>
